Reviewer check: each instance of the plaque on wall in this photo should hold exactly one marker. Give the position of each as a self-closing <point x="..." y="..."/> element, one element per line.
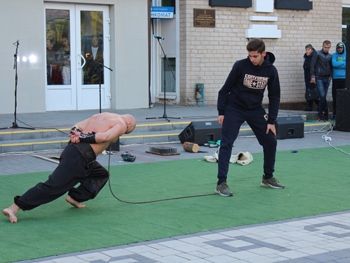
<point x="231" y="3"/>
<point x="293" y="5"/>
<point x="203" y="17"/>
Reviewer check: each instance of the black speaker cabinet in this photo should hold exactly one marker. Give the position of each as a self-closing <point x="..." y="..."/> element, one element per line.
<point x="114" y="147"/>
<point x="289" y="127"/>
<point x="342" y="118"/>
<point x="201" y="132"/>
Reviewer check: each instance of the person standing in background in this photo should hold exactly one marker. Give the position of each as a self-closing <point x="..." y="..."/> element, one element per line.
<point x="321" y="75"/>
<point x="309" y="53"/>
<point x="93" y="69"/>
<point x="339" y="72"/>
<point x="63" y="58"/>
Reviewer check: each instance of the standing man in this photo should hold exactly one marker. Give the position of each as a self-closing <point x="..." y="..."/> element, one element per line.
<point x="78" y="164"/>
<point x="309" y="53"/>
<point x="321" y="74"/>
<point x="93" y="68"/>
<point x="240" y="99"/>
<point x="339" y="73"/>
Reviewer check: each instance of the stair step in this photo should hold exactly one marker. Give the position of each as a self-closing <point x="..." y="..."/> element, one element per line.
<point x="37" y="140"/>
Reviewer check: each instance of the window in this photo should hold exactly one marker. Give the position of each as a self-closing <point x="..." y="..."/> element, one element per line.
<point x="58" y="47"/>
<point x="169" y="66"/>
<point x="169" y="3"/>
<point x="92" y="46"/>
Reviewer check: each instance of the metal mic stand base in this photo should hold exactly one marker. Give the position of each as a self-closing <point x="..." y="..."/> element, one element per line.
<point x="15" y="126"/>
<point x="164" y="85"/>
<point x="163" y="117"/>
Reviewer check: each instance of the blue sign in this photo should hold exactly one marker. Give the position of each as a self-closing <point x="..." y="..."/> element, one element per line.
<point x="162" y="12"/>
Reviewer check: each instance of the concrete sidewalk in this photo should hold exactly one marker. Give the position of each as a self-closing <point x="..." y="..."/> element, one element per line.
<point x="321" y="238"/>
<point x="59" y="119"/>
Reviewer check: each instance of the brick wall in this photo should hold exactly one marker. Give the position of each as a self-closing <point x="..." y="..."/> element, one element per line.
<point x="207" y="54"/>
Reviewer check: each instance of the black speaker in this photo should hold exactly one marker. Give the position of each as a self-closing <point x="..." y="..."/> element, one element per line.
<point x="289" y="127"/>
<point x="342" y="118"/>
<point x="114" y="147"/>
<point x="201" y="132"/>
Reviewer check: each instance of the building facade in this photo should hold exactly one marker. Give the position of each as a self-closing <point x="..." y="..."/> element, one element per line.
<point x="50" y="45"/>
<point x="207" y="54"/>
<point x="77" y="55"/>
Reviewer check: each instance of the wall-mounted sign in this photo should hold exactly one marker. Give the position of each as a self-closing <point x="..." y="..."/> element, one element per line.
<point x="203" y="17"/>
<point x="162" y="12"/>
<point x="293" y="5"/>
<point x="231" y="3"/>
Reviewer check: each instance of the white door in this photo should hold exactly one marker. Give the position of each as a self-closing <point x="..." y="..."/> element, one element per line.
<point x="77" y="56"/>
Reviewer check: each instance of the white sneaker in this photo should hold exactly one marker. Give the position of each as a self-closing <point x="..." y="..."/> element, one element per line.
<point x="216" y="154"/>
<point x="244" y="158"/>
<point x="234" y="158"/>
<point x="210" y="159"/>
<point x="213" y="158"/>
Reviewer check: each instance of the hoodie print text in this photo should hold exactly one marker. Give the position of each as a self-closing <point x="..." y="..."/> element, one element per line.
<point x="255" y="82"/>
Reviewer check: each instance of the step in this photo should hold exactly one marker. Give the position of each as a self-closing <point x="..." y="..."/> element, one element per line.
<point x="37" y="140"/>
<point x="43" y="139"/>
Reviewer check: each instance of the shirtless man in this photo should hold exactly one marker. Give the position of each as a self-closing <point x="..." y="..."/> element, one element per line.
<point x="78" y="164"/>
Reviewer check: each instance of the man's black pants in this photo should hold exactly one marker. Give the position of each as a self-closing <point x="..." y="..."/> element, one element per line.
<point x="72" y="170"/>
<point x="257" y="120"/>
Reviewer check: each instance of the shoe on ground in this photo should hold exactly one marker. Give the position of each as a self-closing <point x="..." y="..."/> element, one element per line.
<point x="320" y="117"/>
<point x="325" y="116"/>
<point x="244" y="158"/>
<point x="223" y="190"/>
<point x="271" y="183"/>
<point x="210" y="159"/>
<point x="234" y="158"/>
<point x="216" y="154"/>
<point x="213" y="158"/>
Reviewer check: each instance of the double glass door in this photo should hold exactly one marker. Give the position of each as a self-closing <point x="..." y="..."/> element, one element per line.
<point x="77" y="57"/>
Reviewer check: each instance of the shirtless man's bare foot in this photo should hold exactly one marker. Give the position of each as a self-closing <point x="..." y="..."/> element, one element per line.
<point x="11" y="212"/>
<point x="74" y="203"/>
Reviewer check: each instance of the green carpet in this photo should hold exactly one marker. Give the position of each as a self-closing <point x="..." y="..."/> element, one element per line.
<point x="317" y="181"/>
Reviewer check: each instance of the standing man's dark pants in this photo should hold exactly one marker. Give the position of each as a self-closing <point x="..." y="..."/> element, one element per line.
<point x="73" y="169"/>
<point x="308" y="86"/>
<point x="322" y="84"/>
<point x="257" y="120"/>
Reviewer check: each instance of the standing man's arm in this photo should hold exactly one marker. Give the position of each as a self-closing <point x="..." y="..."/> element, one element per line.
<point x="225" y="91"/>
<point x="331" y="66"/>
<point x="336" y="63"/>
<point x="274" y="94"/>
<point x="313" y="68"/>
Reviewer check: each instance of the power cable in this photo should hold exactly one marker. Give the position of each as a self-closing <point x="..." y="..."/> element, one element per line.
<point x="328" y="140"/>
<point x="109" y="180"/>
<point x="150" y="201"/>
<point x="66" y="133"/>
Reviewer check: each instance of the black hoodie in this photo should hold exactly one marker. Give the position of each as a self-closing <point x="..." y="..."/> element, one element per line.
<point x="245" y="86"/>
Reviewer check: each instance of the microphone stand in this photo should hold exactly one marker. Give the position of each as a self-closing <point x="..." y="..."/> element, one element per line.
<point x="101" y="66"/>
<point x="114" y="146"/>
<point x="165" y="59"/>
<point x="14" y="123"/>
